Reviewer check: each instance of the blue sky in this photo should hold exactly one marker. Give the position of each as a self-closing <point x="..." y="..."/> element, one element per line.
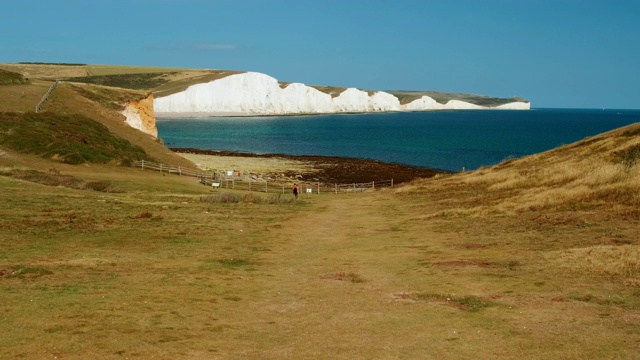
<point x="560" y="53"/>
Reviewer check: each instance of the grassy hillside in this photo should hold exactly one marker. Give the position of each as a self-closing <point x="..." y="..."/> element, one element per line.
<point x="536" y="258"/>
<point x="11" y="78"/>
<point x="504" y="262"/>
<point x="71" y="139"/>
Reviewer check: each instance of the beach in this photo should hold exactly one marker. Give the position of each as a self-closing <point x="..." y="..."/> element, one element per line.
<point x="327" y="169"/>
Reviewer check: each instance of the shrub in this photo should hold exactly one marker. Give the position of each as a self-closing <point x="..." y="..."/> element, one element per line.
<point x="144" y="215"/>
<point x="19" y="271"/>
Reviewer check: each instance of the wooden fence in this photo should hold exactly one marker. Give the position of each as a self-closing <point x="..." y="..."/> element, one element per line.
<point x="219" y="180"/>
<point x="46" y="96"/>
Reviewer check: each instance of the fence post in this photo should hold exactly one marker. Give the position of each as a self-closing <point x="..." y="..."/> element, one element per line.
<point x="373" y="185"/>
<point x="179" y="171"/>
<point x="391" y="182"/>
<point x="318" y="188"/>
<point x="336" y="188"/>
<point x="160" y="167"/>
<point x="266" y="186"/>
<point x="142" y="164"/>
<point x="283" y="188"/>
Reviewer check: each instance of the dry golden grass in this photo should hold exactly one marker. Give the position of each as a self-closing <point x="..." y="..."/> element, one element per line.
<point x="535" y="258"/>
<point x="579" y="175"/>
<point x="48" y="72"/>
<point x="156" y="272"/>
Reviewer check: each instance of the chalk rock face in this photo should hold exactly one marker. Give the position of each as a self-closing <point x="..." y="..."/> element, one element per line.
<point x="382" y="101"/>
<point x="516" y="105"/>
<point x="352" y="100"/>
<point x="299" y="98"/>
<point x="254" y="93"/>
<point x="461" y="105"/>
<point x="422" y="104"/>
<point x="139" y="114"/>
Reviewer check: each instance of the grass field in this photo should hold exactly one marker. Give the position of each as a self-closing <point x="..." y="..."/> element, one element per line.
<point x="535" y="258"/>
<point x="460" y="266"/>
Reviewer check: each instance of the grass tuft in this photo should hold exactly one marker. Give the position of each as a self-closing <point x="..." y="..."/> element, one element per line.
<point x="20" y="271"/>
<point x="344" y="276"/>
<point x="143" y="215"/>
<point x="235" y="263"/>
<point x="629" y="156"/>
<point x="468" y="303"/>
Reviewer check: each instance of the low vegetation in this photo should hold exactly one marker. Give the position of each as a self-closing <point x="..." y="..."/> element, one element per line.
<point x="234" y="198"/>
<point x="11" y="78"/>
<point x="53" y="177"/>
<point x="70" y="139"/>
<point x="126" y="81"/>
<point x="108" y="97"/>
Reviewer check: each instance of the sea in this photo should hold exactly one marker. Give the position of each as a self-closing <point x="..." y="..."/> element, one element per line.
<point x="444" y="140"/>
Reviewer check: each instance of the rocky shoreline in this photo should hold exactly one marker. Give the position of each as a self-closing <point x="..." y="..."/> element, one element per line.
<point x="332" y="169"/>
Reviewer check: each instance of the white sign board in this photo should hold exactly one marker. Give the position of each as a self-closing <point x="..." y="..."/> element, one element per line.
<point x="309" y="190"/>
<point x="229" y="173"/>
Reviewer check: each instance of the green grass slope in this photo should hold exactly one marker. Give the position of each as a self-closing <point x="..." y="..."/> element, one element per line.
<point x="71" y="139"/>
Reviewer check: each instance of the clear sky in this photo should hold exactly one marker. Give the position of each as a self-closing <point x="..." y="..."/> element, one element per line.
<point x="555" y="53"/>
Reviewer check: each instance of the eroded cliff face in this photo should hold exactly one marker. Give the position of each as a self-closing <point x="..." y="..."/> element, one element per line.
<point x="140" y="114"/>
<point x="254" y="93"/>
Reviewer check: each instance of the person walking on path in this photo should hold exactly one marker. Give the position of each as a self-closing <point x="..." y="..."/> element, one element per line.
<point x="295" y="191"/>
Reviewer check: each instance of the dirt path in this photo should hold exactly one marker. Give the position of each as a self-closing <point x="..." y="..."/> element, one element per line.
<point x="329" y="292"/>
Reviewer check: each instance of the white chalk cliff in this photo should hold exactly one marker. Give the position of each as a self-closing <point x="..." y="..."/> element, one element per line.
<point x="254" y="93"/>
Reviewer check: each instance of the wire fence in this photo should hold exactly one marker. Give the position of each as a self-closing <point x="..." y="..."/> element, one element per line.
<point x="46" y="96"/>
<point x="233" y="180"/>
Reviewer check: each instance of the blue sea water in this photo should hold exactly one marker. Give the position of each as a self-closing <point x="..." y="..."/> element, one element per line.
<point x="447" y="140"/>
